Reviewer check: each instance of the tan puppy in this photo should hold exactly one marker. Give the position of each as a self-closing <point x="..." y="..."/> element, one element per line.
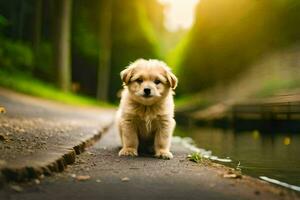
<point x="145" y="116"/>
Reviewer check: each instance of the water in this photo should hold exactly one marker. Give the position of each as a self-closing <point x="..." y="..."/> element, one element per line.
<point x="274" y="155"/>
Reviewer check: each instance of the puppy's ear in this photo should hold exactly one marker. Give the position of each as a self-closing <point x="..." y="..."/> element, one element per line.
<point x="172" y="79"/>
<point x="126" y="74"/>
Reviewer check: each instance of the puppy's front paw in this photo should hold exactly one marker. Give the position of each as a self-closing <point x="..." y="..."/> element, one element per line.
<point x="128" y="152"/>
<point x="164" y="154"/>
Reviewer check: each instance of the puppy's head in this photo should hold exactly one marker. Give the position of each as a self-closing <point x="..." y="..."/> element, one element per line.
<point x="148" y="81"/>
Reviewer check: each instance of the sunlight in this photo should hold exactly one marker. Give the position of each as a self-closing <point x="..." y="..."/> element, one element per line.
<point x="179" y="13"/>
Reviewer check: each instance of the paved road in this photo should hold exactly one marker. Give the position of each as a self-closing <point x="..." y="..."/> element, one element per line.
<point x="144" y="177"/>
<point x="111" y="177"/>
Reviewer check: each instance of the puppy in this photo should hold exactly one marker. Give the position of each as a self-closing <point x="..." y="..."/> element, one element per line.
<point x="146" y="113"/>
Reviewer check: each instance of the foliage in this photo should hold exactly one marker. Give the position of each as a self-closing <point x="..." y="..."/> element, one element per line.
<point x="133" y="36"/>
<point x="195" y="157"/>
<point x="155" y="14"/>
<point x="174" y="56"/>
<point x="3" y="22"/>
<point x="193" y="102"/>
<point x="85" y="27"/>
<point x="15" y="55"/>
<point x="129" y="44"/>
<point x="44" y="62"/>
<point x="228" y="36"/>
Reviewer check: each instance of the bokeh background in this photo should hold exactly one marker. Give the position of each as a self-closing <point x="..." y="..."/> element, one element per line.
<point x="219" y="49"/>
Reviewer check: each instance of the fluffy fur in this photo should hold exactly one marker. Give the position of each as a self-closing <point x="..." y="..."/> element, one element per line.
<point x="146" y="113"/>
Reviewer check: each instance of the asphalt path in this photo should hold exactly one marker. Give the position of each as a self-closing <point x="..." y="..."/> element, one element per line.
<point x="99" y="173"/>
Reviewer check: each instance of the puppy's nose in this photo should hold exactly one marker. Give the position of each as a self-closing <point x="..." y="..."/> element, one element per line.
<point x="147" y="91"/>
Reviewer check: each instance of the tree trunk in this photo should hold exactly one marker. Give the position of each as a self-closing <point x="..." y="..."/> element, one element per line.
<point x="62" y="43"/>
<point x="105" y="49"/>
<point x="37" y="23"/>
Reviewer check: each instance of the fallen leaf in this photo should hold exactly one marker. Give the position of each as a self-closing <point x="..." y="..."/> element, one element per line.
<point x="125" y="179"/>
<point x="73" y="175"/>
<point x="89" y="153"/>
<point x="16" y="188"/>
<point x="83" y="177"/>
<point x="2" y="110"/>
<point x="2" y="163"/>
<point x="232" y="176"/>
<point x="212" y="185"/>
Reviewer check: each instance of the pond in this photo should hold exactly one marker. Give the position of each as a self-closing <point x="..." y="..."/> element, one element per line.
<point x="270" y="154"/>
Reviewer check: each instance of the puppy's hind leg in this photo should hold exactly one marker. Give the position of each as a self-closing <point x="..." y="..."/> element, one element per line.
<point x="129" y="139"/>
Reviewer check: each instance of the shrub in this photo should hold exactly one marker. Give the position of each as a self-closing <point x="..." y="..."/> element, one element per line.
<point x="15" y="55"/>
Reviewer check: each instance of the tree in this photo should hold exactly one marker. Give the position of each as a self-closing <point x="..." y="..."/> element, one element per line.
<point x="62" y="43"/>
<point x="126" y="34"/>
<point x="105" y="49"/>
<point x="37" y="24"/>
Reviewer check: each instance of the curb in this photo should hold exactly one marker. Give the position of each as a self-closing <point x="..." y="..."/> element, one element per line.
<point x="59" y="164"/>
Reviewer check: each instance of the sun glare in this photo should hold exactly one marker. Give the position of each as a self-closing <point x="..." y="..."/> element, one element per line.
<point x="179" y="13"/>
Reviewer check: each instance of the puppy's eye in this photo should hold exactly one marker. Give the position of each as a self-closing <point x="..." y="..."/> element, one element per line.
<point x="139" y="80"/>
<point x="157" y="81"/>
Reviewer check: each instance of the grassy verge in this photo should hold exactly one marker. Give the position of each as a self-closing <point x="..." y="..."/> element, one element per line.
<point x="195" y="100"/>
<point x="29" y="85"/>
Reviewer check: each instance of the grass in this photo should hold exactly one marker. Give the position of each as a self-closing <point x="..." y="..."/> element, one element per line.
<point x="198" y="158"/>
<point x="193" y="102"/>
<point x="32" y="86"/>
<point x="195" y="157"/>
<point x="196" y="100"/>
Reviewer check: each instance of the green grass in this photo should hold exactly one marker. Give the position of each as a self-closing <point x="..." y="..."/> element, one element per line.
<point x="194" y="101"/>
<point x="32" y="86"/>
<point x="195" y="157"/>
